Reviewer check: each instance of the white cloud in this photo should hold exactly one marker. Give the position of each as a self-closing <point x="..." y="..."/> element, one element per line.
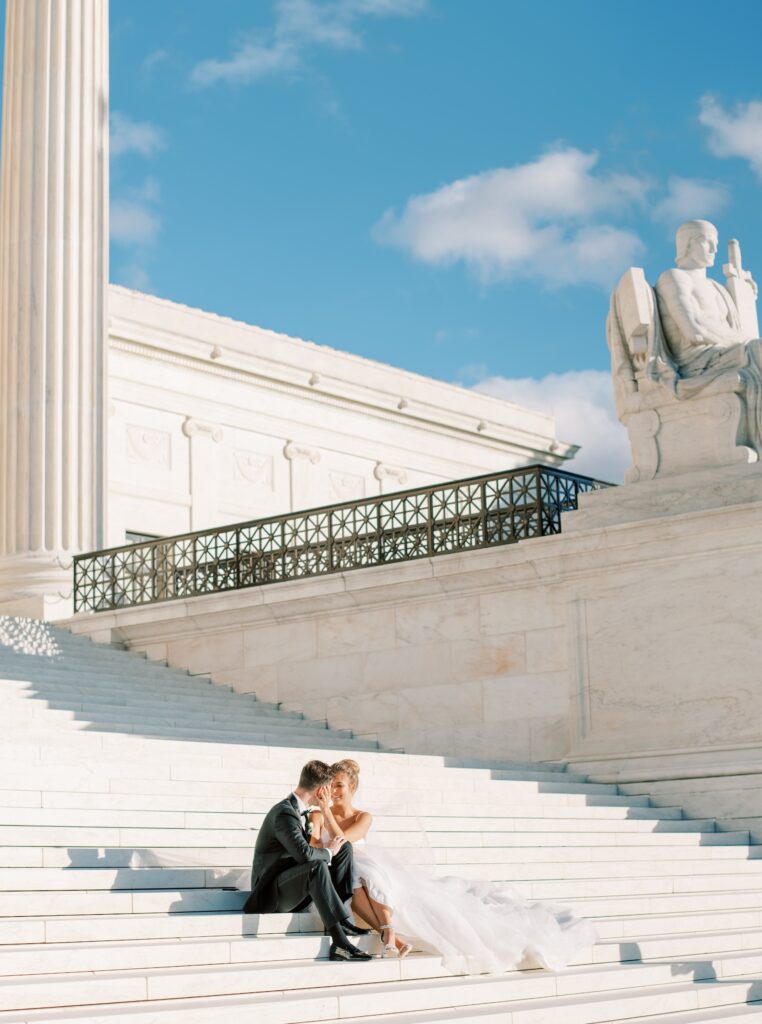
<point x="133" y="275"/>
<point x="540" y="220"/>
<point x="132" y="223"/>
<point x="251" y="61"/>
<point x="690" y="198"/>
<point x="298" y="26"/>
<point x="128" y="136"/>
<point x="583" y="406"/>
<point x="734" y="133"/>
<point x="133" y="217"/>
<point x="155" y="57"/>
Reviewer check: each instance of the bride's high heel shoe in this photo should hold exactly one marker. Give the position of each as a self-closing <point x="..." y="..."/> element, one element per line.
<point x="390" y="948"/>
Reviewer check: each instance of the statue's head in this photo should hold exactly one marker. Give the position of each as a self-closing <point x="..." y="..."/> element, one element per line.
<point x="696" y="242"/>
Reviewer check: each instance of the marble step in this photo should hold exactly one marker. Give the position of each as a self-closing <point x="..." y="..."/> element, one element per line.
<point x="78" y="745"/>
<point x="116" y="664"/>
<point x="60" y="729"/>
<point x="245" y="724"/>
<point x="221" y="856"/>
<point x="388" y="763"/>
<point x="78" y="836"/>
<point x="318" y="739"/>
<point x="259" y="797"/>
<point x="715" y="1015"/>
<point x="34" y="903"/>
<point x="117" y="955"/>
<point x="123" y="828"/>
<point x="138" y="926"/>
<point x="253" y="780"/>
<point x="391" y="764"/>
<point x="135" y="675"/>
<point x="234" y="1009"/>
<point x="170" y="876"/>
<point x="102" y="678"/>
<point x="178" y="901"/>
<point x="179" y="710"/>
<point x="154" y="693"/>
<point x="120" y="955"/>
<point x="391" y="986"/>
<point x="447" y="847"/>
<point x="559" y="819"/>
<point x="645" y="905"/>
<point x="694" y="943"/>
<point x="25" y="707"/>
<point x="252" y="768"/>
<point x="562" y="805"/>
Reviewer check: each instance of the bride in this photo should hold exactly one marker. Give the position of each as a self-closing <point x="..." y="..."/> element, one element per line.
<point x="476" y="927"/>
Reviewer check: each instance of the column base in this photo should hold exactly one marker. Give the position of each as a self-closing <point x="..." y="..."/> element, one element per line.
<point x="37" y="586"/>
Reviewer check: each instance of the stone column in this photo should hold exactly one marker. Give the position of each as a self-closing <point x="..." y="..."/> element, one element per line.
<point x="53" y="280"/>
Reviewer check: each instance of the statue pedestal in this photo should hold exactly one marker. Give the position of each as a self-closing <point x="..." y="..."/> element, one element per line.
<point x="665" y="627"/>
<point x="667" y="496"/>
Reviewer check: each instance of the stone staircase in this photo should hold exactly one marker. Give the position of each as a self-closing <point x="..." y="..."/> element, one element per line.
<point x="128" y="796"/>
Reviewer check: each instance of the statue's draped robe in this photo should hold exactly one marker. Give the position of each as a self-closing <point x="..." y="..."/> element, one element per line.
<point x="701" y="364"/>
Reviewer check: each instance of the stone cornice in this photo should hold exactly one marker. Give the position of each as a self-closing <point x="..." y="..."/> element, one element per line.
<point x="283" y="363"/>
<point x="441" y="421"/>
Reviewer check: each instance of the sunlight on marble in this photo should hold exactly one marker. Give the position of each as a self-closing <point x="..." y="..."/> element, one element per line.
<point x="28" y="636"/>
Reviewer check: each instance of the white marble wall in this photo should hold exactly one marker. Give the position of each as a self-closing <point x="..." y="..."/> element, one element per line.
<point x="213" y="422"/>
<point x="668" y="618"/>
<point x="433" y="656"/>
<point x="640" y="639"/>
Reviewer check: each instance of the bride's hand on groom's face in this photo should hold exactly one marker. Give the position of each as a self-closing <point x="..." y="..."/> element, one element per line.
<point x="323" y="797"/>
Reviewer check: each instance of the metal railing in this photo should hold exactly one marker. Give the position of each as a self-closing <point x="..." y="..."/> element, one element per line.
<point x="462" y="515"/>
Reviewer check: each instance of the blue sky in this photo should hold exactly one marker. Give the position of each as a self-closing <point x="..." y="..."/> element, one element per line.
<point x="450" y="186"/>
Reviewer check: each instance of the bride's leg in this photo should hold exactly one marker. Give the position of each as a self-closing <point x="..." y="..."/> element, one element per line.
<point x="388" y="934"/>
<point x="363" y="907"/>
<point x="383" y="915"/>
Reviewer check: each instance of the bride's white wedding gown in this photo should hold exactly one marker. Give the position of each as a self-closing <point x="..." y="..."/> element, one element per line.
<point x="476" y="927"/>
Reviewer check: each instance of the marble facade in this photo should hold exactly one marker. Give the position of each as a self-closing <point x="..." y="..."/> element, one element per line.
<point x="213" y="421"/>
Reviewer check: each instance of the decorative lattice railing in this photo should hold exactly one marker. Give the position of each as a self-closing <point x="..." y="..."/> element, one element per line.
<point x="463" y="515"/>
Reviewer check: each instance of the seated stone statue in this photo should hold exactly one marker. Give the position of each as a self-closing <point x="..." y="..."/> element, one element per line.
<point x="687" y="362"/>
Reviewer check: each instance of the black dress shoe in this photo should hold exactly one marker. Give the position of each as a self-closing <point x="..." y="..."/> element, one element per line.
<point x="347" y="952"/>
<point x="352" y="929"/>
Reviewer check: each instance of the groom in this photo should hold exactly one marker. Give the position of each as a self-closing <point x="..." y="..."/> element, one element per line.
<point x="288" y="873"/>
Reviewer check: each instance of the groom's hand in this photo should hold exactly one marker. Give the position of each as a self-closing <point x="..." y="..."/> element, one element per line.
<point x="335" y="844"/>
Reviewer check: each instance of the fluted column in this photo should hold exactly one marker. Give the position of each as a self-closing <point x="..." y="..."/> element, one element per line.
<point x="53" y="279"/>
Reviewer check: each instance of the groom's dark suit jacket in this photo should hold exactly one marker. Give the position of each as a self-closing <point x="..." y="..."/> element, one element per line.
<point x="281" y="844"/>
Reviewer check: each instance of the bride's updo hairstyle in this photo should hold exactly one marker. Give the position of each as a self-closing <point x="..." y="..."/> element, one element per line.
<point x="349" y="768"/>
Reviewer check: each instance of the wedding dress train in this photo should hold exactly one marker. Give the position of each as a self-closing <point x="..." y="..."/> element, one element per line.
<point x="476" y="927"/>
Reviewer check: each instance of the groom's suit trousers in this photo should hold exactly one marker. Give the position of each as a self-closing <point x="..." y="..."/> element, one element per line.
<point x="288" y="874"/>
<point x="316" y="882"/>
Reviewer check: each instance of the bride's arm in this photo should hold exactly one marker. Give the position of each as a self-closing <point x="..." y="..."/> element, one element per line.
<point x="315" y="827"/>
<point x="333" y="827"/>
<point x="359" y="827"/>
